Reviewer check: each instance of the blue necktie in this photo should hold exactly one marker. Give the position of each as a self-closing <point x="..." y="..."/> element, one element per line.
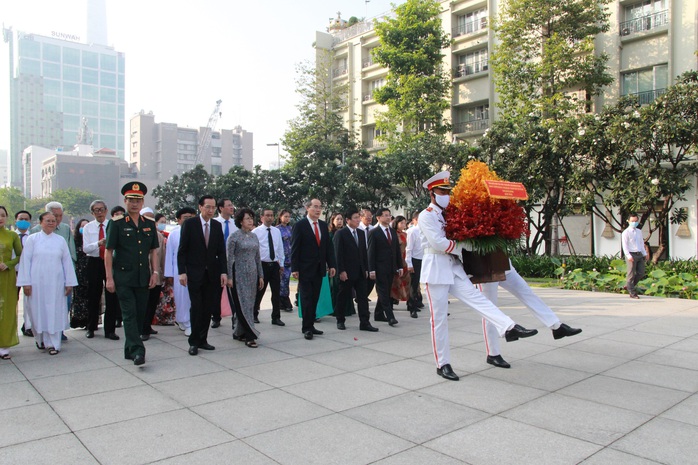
<point x="227" y="230"/>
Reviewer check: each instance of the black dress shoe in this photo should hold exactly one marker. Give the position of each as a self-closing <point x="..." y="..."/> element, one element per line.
<point x="519" y="332"/>
<point x="193" y="350"/>
<point x="447" y="372"/>
<point x="145" y="337"/>
<point x="112" y="336"/>
<point x="206" y="346"/>
<point x="498" y="361"/>
<point x="278" y="322"/>
<point x="308" y="335"/>
<point x="215" y="324"/>
<point x="139" y="360"/>
<point x="368" y="327"/>
<point x="317" y="331"/>
<point x="90" y="334"/>
<point x="420" y="305"/>
<point x="379" y="318"/>
<point x="392" y="322"/>
<point x="28" y="332"/>
<point x="152" y="331"/>
<point x="395" y="301"/>
<point x="564" y="330"/>
<point x="239" y="338"/>
<point x="413" y="313"/>
<point x="256" y="320"/>
<point x="340" y="325"/>
<point x="63" y="336"/>
<point x="288" y="309"/>
<point x="118" y="324"/>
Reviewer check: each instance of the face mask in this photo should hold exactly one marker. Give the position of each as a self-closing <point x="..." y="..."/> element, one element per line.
<point x="22" y="224"/>
<point x="442" y="200"/>
<point x="161" y="226"/>
<point x="81" y="229"/>
<point x="634" y="224"/>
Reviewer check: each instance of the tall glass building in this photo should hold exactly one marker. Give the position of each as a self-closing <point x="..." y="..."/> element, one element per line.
<point x="59" y="88"/>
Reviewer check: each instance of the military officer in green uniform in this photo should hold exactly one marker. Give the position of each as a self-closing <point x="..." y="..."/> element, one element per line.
<point x="131" y="266"/>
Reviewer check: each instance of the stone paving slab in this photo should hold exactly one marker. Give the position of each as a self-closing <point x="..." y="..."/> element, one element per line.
<point x="624" y="391"/>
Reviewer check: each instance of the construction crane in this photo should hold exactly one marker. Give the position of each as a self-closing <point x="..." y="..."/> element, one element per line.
<point x="205" y="136"/>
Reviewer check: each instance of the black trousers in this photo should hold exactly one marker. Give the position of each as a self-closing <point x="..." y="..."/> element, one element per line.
<point x="344" y="296"/>
<point x="416" y="294"/>
<point x="309" y="294"/>
<point x="272" y="277"/>
<point x="153" y="300"/>
<point x="96" y="279"/>
<point x="205" y="296"/>
<point x="384" y="306"/>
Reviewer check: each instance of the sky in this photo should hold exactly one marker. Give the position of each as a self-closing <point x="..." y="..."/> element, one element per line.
<point x="183" y="56"/>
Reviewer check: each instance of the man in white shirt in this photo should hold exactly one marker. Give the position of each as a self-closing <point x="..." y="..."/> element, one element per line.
<point x="226" y="210"/>
<point x="635" y="254"/>
<point x="413" y="256"/>
<point x="271" y="252"/>
<point x="93" y="241"/>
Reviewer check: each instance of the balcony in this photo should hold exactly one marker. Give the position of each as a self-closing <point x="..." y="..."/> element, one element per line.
<point x="367" y="62"/>
<point x="472" y="126"/>
<point x="341" y="71"/>
<point x="374" y="144"/>
<point x="647" y="97"/>
<point x="470" y="27"/>
<point x="644" y="23"/>
<point x="468" y="69"/>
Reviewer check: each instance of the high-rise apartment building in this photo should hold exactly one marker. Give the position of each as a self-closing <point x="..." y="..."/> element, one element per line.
<point x="649" y="43"/>
<point x="57" y="83"/>
<point x="162" y="150"/>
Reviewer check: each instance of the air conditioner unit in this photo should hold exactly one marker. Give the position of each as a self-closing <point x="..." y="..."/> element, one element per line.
<point x="625" y="31"/>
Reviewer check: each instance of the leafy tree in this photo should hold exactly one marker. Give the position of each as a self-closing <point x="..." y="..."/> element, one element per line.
<point x="544" y="59"/>
<point x="75" y="202"/>
<point x="641" y="159"/>
<point x="184" y="190"/>
<point x="13" y="200"/>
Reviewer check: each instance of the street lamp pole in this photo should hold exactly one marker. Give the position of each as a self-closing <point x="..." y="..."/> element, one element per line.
<point x="278" y="154"/>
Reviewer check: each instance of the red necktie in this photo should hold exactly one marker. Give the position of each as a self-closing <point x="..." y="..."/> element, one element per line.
<point x="387" y="233"/>
<point x="101" y="236"/>
<point x="317" y="233"/>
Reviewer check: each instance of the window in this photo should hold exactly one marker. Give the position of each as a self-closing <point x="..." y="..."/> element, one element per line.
<point x="643" y="16"/>
<point x="52" y="70"/>
<point x="90" y="59"/>
<point x="472" y="63"/>
<point x="107" y="141"/>
<point x="71" y="122"/>
<point x="71" y="89"/>
<point x="108" y="79"/>
<point x="71" y="106"/>
<point x="107" y="62"/>
<point x="647" y="84"/>
<point x="373" y="86"/>
<point x="51" y="52"/>
<point x="470" y="22"/>
<point x="122" y="97"/>
<point x="71" y="56"/>
<point x="340" y="67"/>
<point x="29" y="48"/>
<point x="90" y="76"/>
<point x="52" y="103"/>
<point x="108" y="126"/>
<point x="107" y="110"/>
<point x="52" y="87"/>
<point x="30" y="67"/>
<point x="89" y="109"/>
<point x="90" y="92"/>
<point x="71" y="73"/>
<point x="474" y="118"/>
<point x="107" y="94"/>
<point x="70" y="138"/>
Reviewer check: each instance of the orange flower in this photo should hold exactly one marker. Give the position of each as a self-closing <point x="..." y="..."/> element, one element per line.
<point x="471" y="186"/>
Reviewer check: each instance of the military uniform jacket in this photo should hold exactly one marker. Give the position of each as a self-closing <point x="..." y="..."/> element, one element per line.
<point x="131" y="246"/>
<point x="439" y="263"/>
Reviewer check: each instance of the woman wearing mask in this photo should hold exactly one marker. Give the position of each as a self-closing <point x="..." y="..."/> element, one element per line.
<point x="79" y="314"/>
<point x="9" y="243"/>
<point x="46" y="275"/>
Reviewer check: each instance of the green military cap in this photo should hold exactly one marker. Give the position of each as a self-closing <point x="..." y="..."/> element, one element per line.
<point x="135" y="189"/>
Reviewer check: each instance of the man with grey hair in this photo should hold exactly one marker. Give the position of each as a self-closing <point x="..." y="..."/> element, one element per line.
<point x="94" y="239"/>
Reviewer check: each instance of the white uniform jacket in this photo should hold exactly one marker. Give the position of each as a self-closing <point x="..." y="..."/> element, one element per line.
<point x="439" y="264"/>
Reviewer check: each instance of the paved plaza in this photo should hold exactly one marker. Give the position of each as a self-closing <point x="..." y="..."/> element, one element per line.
<point x="622" y="392"/>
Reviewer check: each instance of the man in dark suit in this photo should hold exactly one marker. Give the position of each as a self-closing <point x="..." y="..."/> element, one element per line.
<point x="352" y="267"/>
<point x="312" y="256"/>
<point x="203" y="268"/>
<point x="384" y="262"/>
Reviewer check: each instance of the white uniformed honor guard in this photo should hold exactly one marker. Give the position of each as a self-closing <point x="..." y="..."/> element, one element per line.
<point x="443" y="274"/>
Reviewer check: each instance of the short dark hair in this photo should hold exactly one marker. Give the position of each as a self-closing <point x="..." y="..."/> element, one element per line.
<point x="23" y="211"/>
<point x="351" y="212"/>
<point x="158" y="216"/>
<point x="41" y="217"/>
<point x="204" y="198"/>
<point x="240" y="215"/>
<point x="380" y="211"/>
<point x="221" y="203"/>
<point x="184" y="211"/>
<point x="117" y="209"/>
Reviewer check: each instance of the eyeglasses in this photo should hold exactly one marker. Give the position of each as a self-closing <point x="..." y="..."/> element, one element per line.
<point x="99" y="210"/>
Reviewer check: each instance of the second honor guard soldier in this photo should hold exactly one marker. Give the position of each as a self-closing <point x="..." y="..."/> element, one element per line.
<point x="132" y="266"/>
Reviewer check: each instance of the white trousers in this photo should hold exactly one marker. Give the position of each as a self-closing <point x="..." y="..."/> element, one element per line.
<point x="48" y="339"/>
<point x="463" y="290"/>
<point x="26" y="307"/>
<point x="517" y="287"/>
